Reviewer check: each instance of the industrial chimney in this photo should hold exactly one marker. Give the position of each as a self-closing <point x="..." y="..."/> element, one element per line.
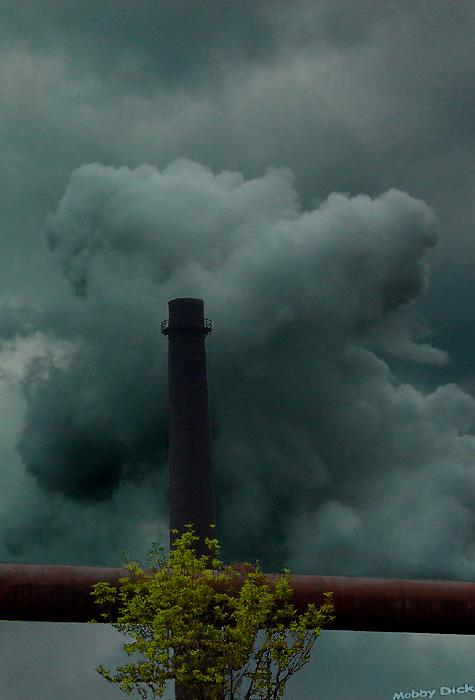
<point x="190" y="475"/>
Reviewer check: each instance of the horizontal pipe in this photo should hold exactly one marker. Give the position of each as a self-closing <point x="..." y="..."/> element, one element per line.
<point x="52" y="593"/>
<point x="391" y="605"/>
<point x="62" y="594"/>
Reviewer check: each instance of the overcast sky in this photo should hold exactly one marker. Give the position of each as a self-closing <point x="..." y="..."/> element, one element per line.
<point x="307" y="169"/>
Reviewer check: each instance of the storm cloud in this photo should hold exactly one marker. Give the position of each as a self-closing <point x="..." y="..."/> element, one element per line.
<point x="309" y="421"/>
<point x="307" y="169"/>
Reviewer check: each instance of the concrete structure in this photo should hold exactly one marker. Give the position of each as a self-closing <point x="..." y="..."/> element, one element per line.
<point x="190" y="474"/>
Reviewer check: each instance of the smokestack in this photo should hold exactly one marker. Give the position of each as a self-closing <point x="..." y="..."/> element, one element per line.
<point x="190" y="475"/>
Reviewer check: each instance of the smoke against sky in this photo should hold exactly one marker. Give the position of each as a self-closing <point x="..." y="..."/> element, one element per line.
<point x="302" y="300"/>
<point x="306" y="169"/>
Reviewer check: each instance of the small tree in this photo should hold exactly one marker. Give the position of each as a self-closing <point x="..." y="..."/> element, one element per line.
<point x="193" y="624"/>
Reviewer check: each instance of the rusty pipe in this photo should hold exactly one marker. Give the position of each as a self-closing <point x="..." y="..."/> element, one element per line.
<point x="52" y="593"/>
<point x="391" y="605"/>
<point x="62" y="594"/>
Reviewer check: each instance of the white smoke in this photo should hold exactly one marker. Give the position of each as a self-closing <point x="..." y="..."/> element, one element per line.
<point x="318" y="449"/>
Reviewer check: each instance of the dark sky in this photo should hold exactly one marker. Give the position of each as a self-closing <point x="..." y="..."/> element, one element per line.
<point x="307" y="169"/>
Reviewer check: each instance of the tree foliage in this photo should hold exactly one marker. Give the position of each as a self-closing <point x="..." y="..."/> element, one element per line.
<point x="191" y="622"/>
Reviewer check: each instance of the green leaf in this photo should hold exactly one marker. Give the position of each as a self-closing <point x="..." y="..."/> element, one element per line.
<point x="180" y="627"/>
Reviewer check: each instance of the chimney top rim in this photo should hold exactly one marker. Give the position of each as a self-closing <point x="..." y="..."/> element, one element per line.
<point x="185" y="299"/>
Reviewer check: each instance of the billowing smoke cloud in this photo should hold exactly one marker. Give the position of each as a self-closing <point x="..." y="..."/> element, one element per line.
<point x="342" y="443"/>
<point x="322" y="457"/>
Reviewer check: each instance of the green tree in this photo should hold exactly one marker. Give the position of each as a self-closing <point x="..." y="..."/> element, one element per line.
<point x="197" y="622"/>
